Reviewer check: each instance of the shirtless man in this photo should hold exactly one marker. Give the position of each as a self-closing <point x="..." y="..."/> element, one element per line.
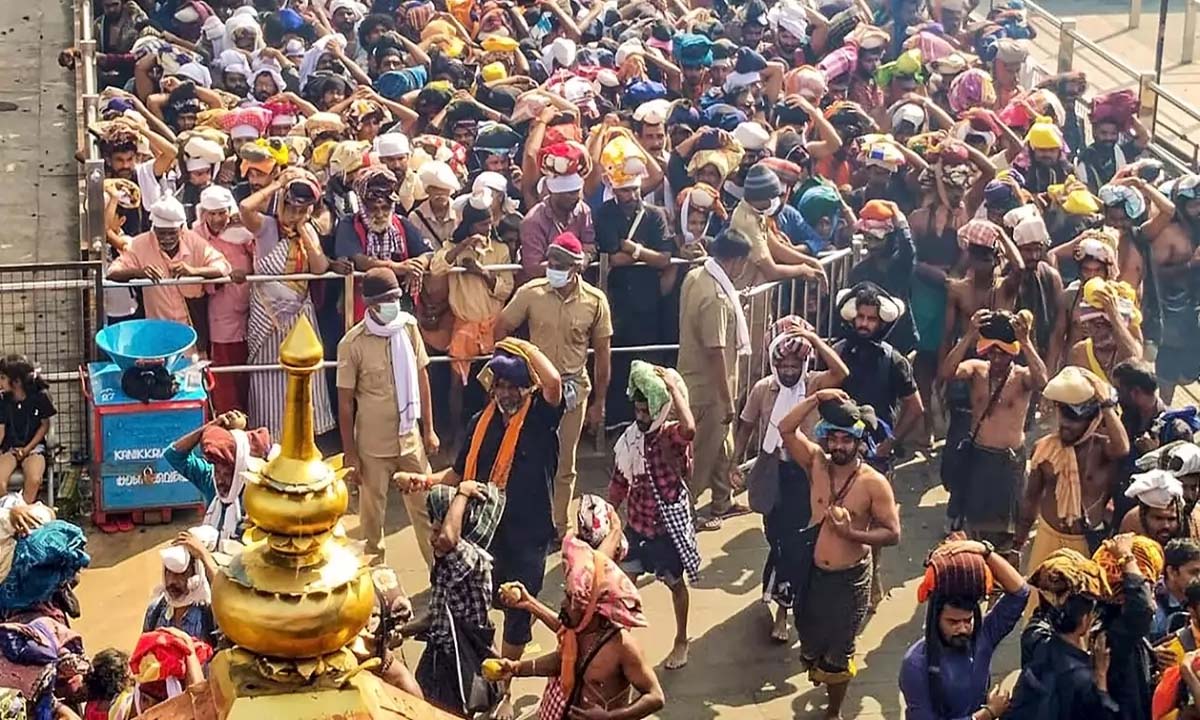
<point x="1175" y="254"/>
<point x="608" y="662"/>
<point x="853" y="508"/>
<point x="1125" y="209"/>
<point x="990" y="465"/>
<point x="1084" y="457"/>
<point x="1108" y="339"/>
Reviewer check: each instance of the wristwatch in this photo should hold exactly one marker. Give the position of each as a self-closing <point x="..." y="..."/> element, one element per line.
<point x="988" y="548"/>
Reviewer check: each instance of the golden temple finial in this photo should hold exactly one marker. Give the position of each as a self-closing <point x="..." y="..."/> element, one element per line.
<point x="298" y="594"/>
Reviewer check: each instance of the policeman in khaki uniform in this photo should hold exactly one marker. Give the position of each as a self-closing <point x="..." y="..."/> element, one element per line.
<point x="383" y="404"/>
<point x="565" y="315"/>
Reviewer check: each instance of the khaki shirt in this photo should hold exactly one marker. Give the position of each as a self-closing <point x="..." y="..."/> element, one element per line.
<point x="706" y="321"/>
<point x="365" y="366"/>
<point x="470" y="298"/>
<point x="562" y="328"/>
<point x="757" y="230"/>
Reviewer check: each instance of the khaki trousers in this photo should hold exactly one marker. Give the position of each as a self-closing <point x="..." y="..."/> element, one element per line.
<point x="375" y="477"/>
<point x="569" y="431"/>
<point x="713" y="449"/>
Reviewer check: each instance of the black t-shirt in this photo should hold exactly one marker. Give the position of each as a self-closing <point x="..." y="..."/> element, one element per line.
<point x="879" y="377"/>
<point x="634" y="291"/>
<point x="21" y="418"/>
<point x="528" y="517"/>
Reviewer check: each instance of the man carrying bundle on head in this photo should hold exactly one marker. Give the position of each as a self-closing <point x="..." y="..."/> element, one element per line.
<point x="946" y="674"/>
<point x="653" y="465"/>
<point x="986" y="471"/>
<point x="853" y="509"/>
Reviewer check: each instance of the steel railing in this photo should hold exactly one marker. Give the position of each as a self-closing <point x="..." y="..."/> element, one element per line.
<point x="1169" y="143"/>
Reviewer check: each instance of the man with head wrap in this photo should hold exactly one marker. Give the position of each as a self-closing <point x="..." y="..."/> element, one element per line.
<point x="1159" y="511"/>
<point x="985" y="472"/>
<point x="562" y="210"/>
<point x="598" y="660"/>
<point x="653" y="458"/>
<point x="169" y="250"/>
<point x="1127" y="210"/>
<point x="889" y="262"/>
<point x="512" y="443"/>
<point x="566" y="316"/>
<point x="1108" y="318"/>
<point x="1095" y="252"/>
<point x="225" y="448"/>
<point x="854" y="510"/>
<point x="1073" y="470"/>
<point x="1038" y="286"/>
<point x="377" y="237"/>
<point x="228" y="303"/>
<point x="1065" y="665"/>
<point x="946" y="674"/>
<point x="1172" y="250"/>
<point x="385" y="408"/>
<point x="779" y="488"/>
<point x="184" y="600"/>
<point x="463" y="522"/>
<point x="633" y="234"/>
<point x="1111" y="122"/>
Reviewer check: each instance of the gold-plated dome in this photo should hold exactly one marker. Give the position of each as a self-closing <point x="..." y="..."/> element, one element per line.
<point x="299" y="589"/>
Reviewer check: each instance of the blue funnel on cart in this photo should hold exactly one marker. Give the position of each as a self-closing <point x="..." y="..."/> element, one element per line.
<point x="147" y="343"/>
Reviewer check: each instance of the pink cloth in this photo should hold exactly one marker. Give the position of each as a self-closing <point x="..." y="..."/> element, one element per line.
<point x="229" y="303"/>
<point x="618" y="599"/>
<point x="839" y="63"/>
<point x="170" y="302"/>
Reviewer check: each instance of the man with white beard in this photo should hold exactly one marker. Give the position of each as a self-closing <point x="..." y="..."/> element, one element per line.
<point x="375" y="236"/>
<point x="184" y="600"/>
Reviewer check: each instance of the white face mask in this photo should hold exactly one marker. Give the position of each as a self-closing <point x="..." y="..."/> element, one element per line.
<point x="387" y="312"/>
<point x="771" y="209"/>
<point x="558" y="278"/>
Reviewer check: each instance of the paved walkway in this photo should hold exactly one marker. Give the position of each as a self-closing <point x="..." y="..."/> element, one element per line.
<point x="735" y="672"/>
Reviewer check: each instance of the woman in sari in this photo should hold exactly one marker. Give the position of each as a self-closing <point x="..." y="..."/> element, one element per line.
<point x="280" y="216"/>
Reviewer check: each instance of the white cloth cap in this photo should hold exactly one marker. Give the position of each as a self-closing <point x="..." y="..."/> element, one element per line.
<point x="560" y="53"/>
<point x="243" y="132"/>
<point x="392" y="145"/>
<point x="201" y="148"/>
<point x="167" y="213"/>
<point x="493" y="181"/>
<point x="357" y="8"/>
<point x="909" y="112"/>
<point x="790" y="16"/>
<point x="195" y="72"/>
<point x="1156" y="488"/>
<point x="1189" y="458"/>
<point x="654" y="112"/>
<point x="175" y="559"/>
<point x="233" y="61"/>
<point x="564" y="183"/>
<point x="217" y="197"/>
<point x="435" y="173"/>
<point x="751" y="135"/>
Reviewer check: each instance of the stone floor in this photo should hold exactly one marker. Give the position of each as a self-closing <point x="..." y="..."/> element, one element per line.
<point x="735" y="671"/>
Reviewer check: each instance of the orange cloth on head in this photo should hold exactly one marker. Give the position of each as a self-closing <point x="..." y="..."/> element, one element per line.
<point x="1147" y="553"/>
<point x="985" y="344"/>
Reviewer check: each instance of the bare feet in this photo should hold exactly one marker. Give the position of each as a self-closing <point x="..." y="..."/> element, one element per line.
<point x="678" y="657"/>
<point x="504" y="711"/>
<point x="779" y="631"/>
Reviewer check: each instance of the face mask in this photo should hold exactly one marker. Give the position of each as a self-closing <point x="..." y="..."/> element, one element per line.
<point x="771" y="209"/>
<point x="558" y="278"/>
<point x="388" y="312"/>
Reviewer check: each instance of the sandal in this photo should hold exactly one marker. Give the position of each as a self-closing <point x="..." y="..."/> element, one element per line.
<point x="708" y="524"/>
<point x="735" y="510"/>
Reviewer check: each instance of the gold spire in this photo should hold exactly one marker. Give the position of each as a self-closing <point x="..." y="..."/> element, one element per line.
<point x="298" y="590"/>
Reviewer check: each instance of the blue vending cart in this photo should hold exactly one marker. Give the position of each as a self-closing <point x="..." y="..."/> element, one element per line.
<point x="130" y="479"/>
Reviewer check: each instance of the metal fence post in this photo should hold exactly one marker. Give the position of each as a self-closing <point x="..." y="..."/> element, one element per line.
<point x="93" y="180"/>
<point x="1066" y="44"/>
<point x="1189" y="31"/>
<point x="1147" y="102"/>
<point x="1135" y="14"/>
<point x="348" y="302"/>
